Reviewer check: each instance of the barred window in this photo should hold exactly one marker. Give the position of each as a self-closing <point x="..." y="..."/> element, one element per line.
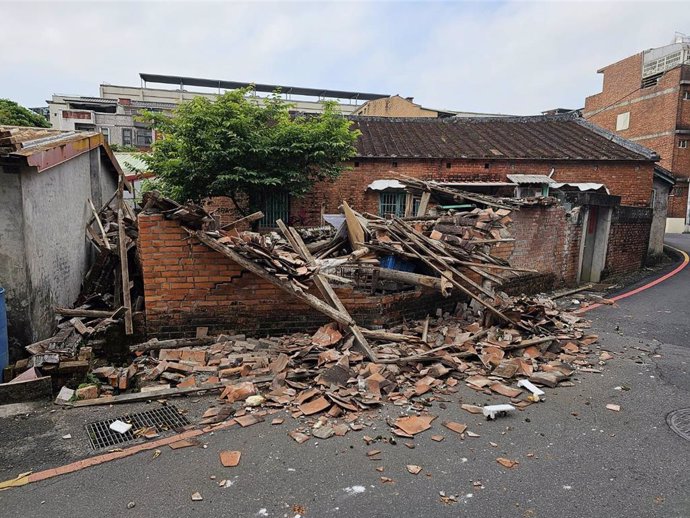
<point x="392" y="202"/>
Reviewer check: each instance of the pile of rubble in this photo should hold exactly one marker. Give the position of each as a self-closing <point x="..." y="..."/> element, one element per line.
<point x="494" y="343"/>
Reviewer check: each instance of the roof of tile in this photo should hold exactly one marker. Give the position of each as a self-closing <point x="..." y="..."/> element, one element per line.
<point x="544" y="137"/>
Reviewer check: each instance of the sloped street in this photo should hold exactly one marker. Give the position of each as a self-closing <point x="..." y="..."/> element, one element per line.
<point x="575" y="457"/>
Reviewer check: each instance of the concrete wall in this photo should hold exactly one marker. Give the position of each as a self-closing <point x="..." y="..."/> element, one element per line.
<point x="659" y="208"/>
<point x="55" y="215"/>
<point x="44" y="254"/>
<point x="12" y="265"/>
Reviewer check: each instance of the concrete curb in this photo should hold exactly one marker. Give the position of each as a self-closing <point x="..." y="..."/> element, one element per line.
<point x="29" y="478"/>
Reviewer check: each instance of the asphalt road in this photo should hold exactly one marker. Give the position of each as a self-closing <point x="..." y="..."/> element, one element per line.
<point x="576" y="458"/>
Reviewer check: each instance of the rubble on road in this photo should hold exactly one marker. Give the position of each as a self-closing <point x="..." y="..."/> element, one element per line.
<point x="332" y="378"/>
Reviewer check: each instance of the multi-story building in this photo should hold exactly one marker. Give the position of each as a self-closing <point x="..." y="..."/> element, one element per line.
<point x="114" y="112"/>
<point x="646" y="99"/>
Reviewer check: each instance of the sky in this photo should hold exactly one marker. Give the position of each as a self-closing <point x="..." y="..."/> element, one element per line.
<point x="517" y="57"/>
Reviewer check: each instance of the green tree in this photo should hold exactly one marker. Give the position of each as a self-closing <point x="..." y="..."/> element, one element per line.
<point x="13" y="114"/>
<point x="236" y="147"/>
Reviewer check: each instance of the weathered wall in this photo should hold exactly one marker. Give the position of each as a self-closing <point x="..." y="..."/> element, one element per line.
<point x="12" y="252"/>
<point x="42" y="243"/>
<point x="394" y="106"/>
<point x="628" y="239"/>
<point x="632" y="181"/>
<point x="547" y="239"/>
<point x="187" y="285"/>
<point x="658" y="226"/>
<point x="55" y="215"/>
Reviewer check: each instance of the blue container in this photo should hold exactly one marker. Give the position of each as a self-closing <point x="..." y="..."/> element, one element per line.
<point x="4" y="343"/>
<point x="392" y="262"/>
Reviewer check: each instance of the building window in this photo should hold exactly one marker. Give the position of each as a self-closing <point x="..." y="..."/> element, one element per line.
<point x="356" y="164"/>
<point x="275" y="205"/>
<point x="623" y="121"/>
<point x="392" y="202"/>
<point x="126" y="136"/>
<point x="106" y="134"/>
<point x="144" y="137"/>
<point x="686" y="96"/>
<point x="683" y="144"/>
<point x="394" y="164"/>
<point x="447" y="165"/>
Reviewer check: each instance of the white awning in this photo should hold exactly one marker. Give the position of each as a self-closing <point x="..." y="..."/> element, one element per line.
<point x="583" y="186"/>
<point x="382" y="185"/>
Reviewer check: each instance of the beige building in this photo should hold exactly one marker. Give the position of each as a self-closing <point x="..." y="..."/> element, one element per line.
<point x="114" y="111"/>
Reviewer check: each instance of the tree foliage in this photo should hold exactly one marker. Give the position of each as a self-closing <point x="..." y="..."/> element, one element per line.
<point x="13" y="114"/>
<point x="234" y="146"/>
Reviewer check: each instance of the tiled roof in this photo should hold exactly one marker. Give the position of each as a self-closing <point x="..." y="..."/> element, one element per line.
<point x="25" y="141"/>
<point x="550" y="137"/>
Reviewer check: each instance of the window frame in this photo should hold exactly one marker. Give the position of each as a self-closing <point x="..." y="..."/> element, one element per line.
<point x="127" y="141"/>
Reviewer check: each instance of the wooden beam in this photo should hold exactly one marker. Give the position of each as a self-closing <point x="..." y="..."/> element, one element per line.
<point x="355" y="232"/>
<point x="86" y="313"/>
<point x="154" y="345"/>
<point x="325" y="287"/>
<point x="247" y="264"/>
<point x="100" y="225"/>
<point x="256" y="216"/>
<point x="124" y="269"/>
<point x="423" y="204"/>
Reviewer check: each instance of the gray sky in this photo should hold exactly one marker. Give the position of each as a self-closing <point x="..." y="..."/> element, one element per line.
<point x="509" y="57"/>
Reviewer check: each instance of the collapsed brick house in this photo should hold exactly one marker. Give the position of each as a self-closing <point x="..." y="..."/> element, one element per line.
<point x="591" y="233"/>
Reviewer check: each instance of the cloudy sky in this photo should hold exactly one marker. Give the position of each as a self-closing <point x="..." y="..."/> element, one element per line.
<point x="508" y="57"/>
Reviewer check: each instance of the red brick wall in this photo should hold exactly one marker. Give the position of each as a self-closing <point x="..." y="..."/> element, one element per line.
<point x="628" y="239"/>
<point x="547" y="239"/>
<point x="632" y="181"/>
<point x="655" y="114"/>
<point x="186" y="285"/>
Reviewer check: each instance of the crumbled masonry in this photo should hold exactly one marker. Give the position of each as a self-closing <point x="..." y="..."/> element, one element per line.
<point x="331" y="379"/>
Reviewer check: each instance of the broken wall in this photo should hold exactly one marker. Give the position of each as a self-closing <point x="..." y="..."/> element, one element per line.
<point x="186" y="285"/>
<point x="628" y="239"/>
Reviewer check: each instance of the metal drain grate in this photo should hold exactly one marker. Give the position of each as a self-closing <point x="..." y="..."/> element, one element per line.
<point x="162" y="419"/>
<point x="679" y="422"/>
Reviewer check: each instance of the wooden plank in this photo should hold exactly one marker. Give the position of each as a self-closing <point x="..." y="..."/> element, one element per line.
<point x="154" y="345"/>
<point x="355" y="232"/>
<point x="124" y="270"/>
<point x="256" y="216"/>
<point x="100" y="225"/>
<point x="325" y="287"/>
<point x="86" y="313"/>
<point x="247" y="264"/>
<point x="145" y="396"/>
<point x="423" y="204"/>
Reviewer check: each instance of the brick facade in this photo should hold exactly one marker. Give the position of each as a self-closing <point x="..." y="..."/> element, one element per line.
<point x="630" y="180"/>
<point x="657" y="114"/>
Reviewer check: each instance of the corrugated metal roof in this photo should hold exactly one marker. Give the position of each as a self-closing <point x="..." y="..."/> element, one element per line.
<point x="555" y="137"/>
<point x="529" y="178"/>
<point x="131" y="163"/>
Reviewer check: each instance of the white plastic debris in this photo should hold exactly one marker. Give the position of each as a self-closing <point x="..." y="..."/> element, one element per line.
<point x="254" y="401"/>
<point x="67" y="436"/>
<point x="492" y="411"/>
<point x="529" y="386"/>
<point x="120" y="426"/>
